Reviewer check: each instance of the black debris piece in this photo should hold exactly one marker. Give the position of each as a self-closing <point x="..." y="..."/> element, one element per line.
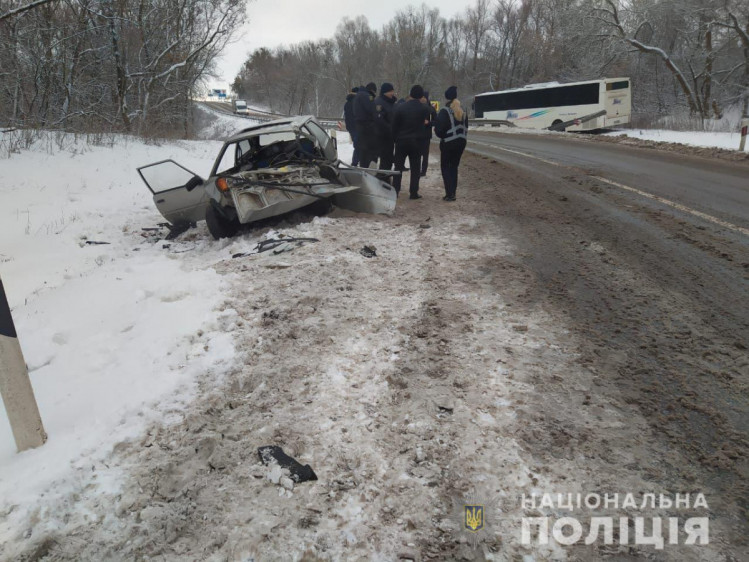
<point x="368" y="252"/>
<point x="96" y="243"/>
<point x="278" y="245"/>
<point x="266" y="245"/>
<point x="299" y="473"/>
<point x="177" y="229"/>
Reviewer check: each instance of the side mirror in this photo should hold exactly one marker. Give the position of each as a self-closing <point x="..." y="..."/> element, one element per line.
<point x="194" y="182"/>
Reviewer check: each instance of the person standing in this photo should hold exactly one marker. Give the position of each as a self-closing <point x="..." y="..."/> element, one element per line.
<point x="428" y="136"/>
<point x="385" y="106"/>
<point x="409" y="120"/>
<point x="348" y="119"/>
<point x="364" y="116"/>
<point x="451" y="127"/>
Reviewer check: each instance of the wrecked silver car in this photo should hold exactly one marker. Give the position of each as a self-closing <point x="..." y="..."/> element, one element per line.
<point x="265" y="171"/>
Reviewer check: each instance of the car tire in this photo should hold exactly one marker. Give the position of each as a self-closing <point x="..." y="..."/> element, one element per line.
<point x="320" y="208"/>
<point x="218" y="226"/>
<point x="558" y="122"/>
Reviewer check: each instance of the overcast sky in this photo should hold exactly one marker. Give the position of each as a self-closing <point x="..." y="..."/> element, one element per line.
<point x="283" y="22"/>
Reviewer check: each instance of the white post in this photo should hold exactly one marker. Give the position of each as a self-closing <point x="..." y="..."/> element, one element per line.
<point x="15" y="386"/>
<point x="744" y="127"/>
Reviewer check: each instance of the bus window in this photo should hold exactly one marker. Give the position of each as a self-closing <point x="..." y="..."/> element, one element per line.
<point x="560" y="96"/>
<point x="623" y="85"/>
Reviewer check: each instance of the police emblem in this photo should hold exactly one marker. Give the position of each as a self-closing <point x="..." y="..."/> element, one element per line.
<point x="474" y="518"/>
<point x="477" y="515"/>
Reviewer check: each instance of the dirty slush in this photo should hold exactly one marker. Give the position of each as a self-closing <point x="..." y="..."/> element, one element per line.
<point x="453" y="359"/>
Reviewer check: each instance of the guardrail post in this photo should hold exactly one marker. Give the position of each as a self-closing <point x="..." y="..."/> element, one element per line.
<point x="15" y="386"/>
<point x="744" y="128"/>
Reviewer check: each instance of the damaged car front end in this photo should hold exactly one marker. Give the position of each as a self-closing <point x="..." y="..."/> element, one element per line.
<point x="264" y="171"/>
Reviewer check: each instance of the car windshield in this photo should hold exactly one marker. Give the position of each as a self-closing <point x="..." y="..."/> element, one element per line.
<point x="264" y="150"/>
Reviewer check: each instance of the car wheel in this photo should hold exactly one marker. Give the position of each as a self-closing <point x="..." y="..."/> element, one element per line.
<point x="558" y="122"/>
<point x="218" y="226"/>
<point x="320" y="207"/>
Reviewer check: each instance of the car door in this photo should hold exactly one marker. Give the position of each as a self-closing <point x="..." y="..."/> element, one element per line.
<point x="177" y="192"/>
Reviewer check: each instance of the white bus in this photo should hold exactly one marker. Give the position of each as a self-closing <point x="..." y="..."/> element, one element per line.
<point x="594" y="104"/>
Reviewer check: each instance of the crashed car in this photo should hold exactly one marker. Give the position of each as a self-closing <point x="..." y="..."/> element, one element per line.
<point x="264" y="171"/>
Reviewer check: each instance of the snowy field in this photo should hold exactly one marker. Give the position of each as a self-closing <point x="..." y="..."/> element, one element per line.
<point x="113" y="333"/>
<point x="115" y="325"/>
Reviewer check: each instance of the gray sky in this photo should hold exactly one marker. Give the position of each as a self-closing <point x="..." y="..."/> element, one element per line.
<point x="278" y="22"/>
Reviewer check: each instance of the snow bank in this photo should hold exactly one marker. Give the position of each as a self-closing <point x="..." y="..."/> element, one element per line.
<point x="114" y="334"/>
<point x="729" y="141"/>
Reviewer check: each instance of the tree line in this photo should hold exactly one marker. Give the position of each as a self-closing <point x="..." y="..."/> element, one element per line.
<point x="689" y="56"/>
<point x="109" y="65"/>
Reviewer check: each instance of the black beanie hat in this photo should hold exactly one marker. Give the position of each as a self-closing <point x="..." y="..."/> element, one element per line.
<point x="451" y="93"/>
<point x="372" y="87"/>
<point x="417" y="92"/>
<point x="385" y="88"/>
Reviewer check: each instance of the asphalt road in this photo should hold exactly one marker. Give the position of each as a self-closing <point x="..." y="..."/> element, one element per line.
<point x="715" y="187"/>
<point x="644" y="255"/>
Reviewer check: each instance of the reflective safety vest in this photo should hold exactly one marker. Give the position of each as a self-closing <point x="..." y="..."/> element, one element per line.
<point x="456" y="130"/>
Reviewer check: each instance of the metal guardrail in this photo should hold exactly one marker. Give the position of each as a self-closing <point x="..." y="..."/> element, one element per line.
<point x="333" y="122"/>
<point x="578" y="121"/>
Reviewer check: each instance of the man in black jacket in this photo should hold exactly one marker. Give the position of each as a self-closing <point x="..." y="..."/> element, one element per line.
<point x="364" y="115"/>
<point x="427" y="136"/>
<point x="385" y="105"/>
<point x="409" y="120"/>
<point x="348" y="118"/>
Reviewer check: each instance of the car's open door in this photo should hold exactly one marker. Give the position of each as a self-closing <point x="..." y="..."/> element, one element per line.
<point x="177" y="192"/>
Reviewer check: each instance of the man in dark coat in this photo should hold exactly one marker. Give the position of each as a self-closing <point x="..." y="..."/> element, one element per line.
<point x="348" y="118"/>
<point x="364" y="115"/>
<point x="409" y="120"/>
<point x="385" y="106"/>
<point x="427" y="136"/>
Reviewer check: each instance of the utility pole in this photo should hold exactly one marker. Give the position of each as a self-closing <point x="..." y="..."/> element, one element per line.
<point x="15" y="386"/>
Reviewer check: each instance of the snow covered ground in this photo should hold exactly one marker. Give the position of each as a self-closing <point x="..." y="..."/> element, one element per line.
<point x="728" y="141"/>
<point x="408" y="381"/>
<point x="113" y="334"/>
<point x="115" y="325"/>
<point x="707" y="139"/>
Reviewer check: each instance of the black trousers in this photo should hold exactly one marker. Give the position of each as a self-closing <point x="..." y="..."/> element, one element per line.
<point x="425" y="156"/>
<point x="368" y="148"/>
<point x="387" y="156"/>
<point x="411" y="149"/>
<point x="450" y="153"/>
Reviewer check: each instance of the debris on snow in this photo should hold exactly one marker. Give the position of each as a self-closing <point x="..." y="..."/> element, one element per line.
<point x="273" y="454"/>
<point x="277" y="245"/>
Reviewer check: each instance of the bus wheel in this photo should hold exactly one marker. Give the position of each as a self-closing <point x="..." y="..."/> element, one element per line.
<point x="555" y="123"/>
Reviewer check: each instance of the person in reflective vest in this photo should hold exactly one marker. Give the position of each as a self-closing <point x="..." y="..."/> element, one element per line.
<point x="451" y="127"/>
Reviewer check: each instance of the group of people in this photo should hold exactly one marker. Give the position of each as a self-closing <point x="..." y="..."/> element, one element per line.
<point x="392" y="130"/>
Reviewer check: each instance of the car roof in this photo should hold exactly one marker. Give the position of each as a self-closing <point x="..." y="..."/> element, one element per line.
<point x="276" y="126"/>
